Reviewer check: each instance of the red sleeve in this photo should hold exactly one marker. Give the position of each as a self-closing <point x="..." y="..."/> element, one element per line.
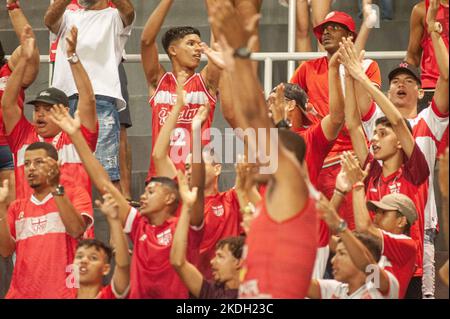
<point x="374" y="74"/>
<point x="317" y="149"/>
<point x="299" y="76"/>
<point x="398" y="248"/>
<point x="375" y="169"/>
<point x="82" y="202"/>
<point x="19" y="134"/>
<point x="416" y="168"/>
<point x="368" y="116"/>
<point x="91" y="137"/>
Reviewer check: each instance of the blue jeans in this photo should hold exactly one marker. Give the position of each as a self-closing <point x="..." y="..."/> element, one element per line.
<point x="107" y="151"/>
<point x="386" y="9"/>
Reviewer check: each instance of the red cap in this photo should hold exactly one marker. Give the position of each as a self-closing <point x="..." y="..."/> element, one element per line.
<point x="337" y="17"/>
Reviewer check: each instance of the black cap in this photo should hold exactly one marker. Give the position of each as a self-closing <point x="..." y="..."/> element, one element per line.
<point x="405" y="67"/>
<point x="51" y="96"/>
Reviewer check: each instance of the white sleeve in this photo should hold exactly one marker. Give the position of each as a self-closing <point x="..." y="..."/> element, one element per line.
<point x="436" y="122"/>
<point x="329" y="288"/>
<point x="130" y="219"/>
<point x="368" y="121"/>
<point x="394" y="287"/>
<point x="65" y="22"/>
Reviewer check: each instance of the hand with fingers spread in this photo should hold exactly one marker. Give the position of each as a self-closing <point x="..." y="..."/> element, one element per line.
<point x="349" y="57"/>
<point x="61" y="117"/>
<point x="4" y="192"/>
<point x="50" y="169"/>
<point x="352" y="169"/>
<point x="27" y="43"/>
<point x="188" y="196"/>
<point x="214" y="54"/>
<point x="278" y="104"/>
<point x="109" y="207"/>
<point x="327" y="213"/>
<point x="71" y="40"/>
<point x="343" y="185"/>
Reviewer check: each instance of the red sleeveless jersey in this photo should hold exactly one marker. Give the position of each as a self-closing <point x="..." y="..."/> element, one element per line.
<point x="162" y="103"/>
<point x="280" y="255"/>
<point x="5" y="73"/>
<point x="428" y="65"/>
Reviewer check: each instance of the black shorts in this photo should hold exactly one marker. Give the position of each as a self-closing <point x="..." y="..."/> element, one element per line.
<point x="124" y="115"/>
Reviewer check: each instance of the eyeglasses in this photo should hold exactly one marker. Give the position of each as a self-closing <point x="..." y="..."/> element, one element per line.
<point x="333" y="27"/>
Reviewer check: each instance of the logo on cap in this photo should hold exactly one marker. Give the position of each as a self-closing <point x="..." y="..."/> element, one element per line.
<point x="404" y="65"/>
<point x="45" y="93"/>
<point x="329" y="15"/>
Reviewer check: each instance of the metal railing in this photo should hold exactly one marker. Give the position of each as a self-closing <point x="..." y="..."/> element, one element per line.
<point x="269" y="57"/>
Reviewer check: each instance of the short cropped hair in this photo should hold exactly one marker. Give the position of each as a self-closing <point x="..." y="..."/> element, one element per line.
<point x="235" y="245"/>
<point x="49" y="148"/>
<point x="177" y="33"/>
<point x="372" y="243"/>
<point x="294" y="143"/>
<point x="170" y="183"/>
<point x="99" y="246"/>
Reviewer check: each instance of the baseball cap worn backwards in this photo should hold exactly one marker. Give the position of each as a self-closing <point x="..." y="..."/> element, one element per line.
<point x="51" y="96"/>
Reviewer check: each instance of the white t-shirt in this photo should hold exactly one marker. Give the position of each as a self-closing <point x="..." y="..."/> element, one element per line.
<point x="100" y="45"/>
<point x="333" y="289"/>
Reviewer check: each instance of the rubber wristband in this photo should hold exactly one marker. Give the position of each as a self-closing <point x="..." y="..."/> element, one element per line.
<point x="340" y="193"/>
<point x="358" y="185"/>
<point x="13" y="6"/>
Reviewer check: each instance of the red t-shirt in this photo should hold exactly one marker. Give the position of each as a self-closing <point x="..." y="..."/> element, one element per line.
<point x="279" y="256"/>
<point x="107" y="292"/>
<point x="428" y="65"/>
<point x="222" y="219"/>
<point x="24" y="134"/>
<point x="411" y="180"/>
<point x="152" y="275"/>
<point x="399" y="258"/>
<point x="44" y="249"/>
<point x="162" y="103"/>
<point x="5" y="73"/>
<point x="317" y="149"/>
<point x="312" y="76"/>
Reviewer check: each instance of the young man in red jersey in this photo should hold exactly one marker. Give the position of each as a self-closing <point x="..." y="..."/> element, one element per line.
<point x="225" y="265"/>
<point x="395" y="214"/>
<point x="21" y="133"/>
<point x="151" y="229"/>
<point x="93" y="259"/>
<point x="184" y="47"/>
<point x="357" y="274"/>
<point x="43" y="229"/>
<point x="312" y="76"/>
<point x="428" y="129"/>
<point x="278" y="259"/>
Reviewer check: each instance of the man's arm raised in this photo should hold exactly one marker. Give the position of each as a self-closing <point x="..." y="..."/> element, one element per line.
<point x="188" y="273"/>
<point x="54" y="14"/>
<point x="86" y="104"/>
<point x="126" y="11"/>
<point x="149" y="50"/>
<point x="61" y="117"/>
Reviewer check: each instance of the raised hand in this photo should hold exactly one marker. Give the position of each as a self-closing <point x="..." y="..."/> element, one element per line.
<point x="214" y="55"/>
<point x="4" y="192"/>
<point x="369" y="13"/>
<point x="432" y="13"/>
<point x="352" y="169"/>
<point x="71" y="40"/>
<point x="109" y="207"/>
<point x="278" y="105"/>
<point x="189" y="196"/>
<point x="342" y="183"/>
<point x="61" y="117"/>
<point x="350" y="58"/>
<point x="50" y="169"/>
<point x="327" y="213"/>
<point x="200" y="117"/>
<point x="27" y="43"/>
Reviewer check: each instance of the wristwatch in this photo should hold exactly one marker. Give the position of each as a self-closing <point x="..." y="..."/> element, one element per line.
<point x="243" y="53"/>
<point x="73" y="59"/>
<point x="435" y="27"/>
<point x="283" y="124"/>
<point x="59" y="191"/>
<point x="342" y="226"/>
